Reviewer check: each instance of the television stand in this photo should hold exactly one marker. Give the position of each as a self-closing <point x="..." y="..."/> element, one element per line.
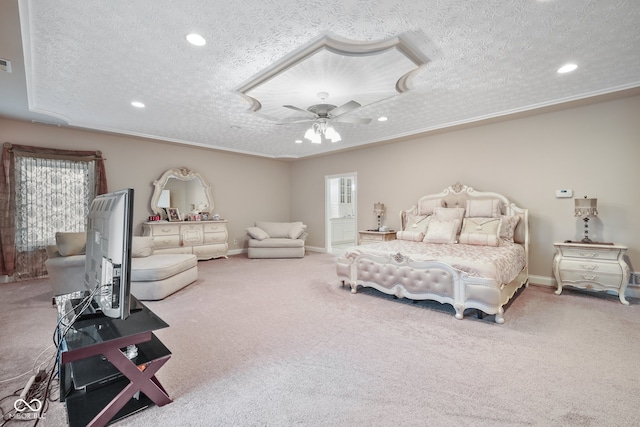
<point x="98" y="382"/>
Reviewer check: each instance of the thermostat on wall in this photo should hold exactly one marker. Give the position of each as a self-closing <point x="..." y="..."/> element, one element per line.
<point x="564" y="193"/>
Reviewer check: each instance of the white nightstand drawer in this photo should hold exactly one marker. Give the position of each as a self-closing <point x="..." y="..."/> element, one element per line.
<point x="587" y="266"/>
<point x="587" y="253"/>
<point x="603" y="279"/>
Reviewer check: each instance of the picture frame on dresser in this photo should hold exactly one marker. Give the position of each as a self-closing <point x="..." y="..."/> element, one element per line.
<point x="173" y="214"/>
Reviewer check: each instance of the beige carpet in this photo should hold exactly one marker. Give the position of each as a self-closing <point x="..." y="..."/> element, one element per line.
<point x="281" y="342"/>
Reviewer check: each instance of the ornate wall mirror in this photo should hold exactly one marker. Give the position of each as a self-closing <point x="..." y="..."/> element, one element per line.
<point x="183" y="189"/>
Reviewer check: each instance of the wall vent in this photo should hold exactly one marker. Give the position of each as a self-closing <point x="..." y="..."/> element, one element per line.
<point x="5" y="65"/>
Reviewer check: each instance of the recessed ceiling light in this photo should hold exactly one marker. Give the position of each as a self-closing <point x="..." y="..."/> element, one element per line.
<point x="567" y="68"/>
<point x="383" y="118"/>
<point x="196" y="39"/>
<point x="298" y="141"/>
<point x="138" y="104"/>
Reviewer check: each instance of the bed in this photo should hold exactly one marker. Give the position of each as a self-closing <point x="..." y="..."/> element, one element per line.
<point x="461" y="247"/>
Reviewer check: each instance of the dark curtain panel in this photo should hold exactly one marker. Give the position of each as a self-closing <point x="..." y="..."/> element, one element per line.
<point x="8" y="196"/>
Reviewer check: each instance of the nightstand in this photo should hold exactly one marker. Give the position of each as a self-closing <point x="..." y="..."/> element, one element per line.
<point x="367" y="237"/>
<point x="593" y="266"/>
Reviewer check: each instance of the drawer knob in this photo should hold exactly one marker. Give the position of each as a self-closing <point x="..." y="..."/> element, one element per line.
<point x="590" y="267"/>
<point x="589" y="276"/>
<point x="589" y="254"/>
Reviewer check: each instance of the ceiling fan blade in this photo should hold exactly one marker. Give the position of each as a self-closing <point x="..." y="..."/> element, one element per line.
<point x="293" y="107"/>
<point x="344" y="108"/>
<point x="355" y="120"/>
<point x="292" y="120"/>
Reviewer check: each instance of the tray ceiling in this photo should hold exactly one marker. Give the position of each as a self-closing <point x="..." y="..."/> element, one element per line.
<point x="81" y="64"/>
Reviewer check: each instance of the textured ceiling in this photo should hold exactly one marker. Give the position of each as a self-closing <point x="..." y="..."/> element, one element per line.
<point x="81" y="63"/>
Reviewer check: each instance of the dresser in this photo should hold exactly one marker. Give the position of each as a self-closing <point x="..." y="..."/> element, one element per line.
<point x="205" y="239"/>
<point x="367" y="237"/>
<point x="593" y="266"/>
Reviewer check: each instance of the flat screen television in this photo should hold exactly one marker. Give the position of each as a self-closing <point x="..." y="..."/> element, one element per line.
<point x="108" y="255"/>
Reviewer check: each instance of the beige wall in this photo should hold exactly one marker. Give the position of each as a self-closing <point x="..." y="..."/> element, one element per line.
<point x="245" y="188"/>
<point x="593" y="150"/>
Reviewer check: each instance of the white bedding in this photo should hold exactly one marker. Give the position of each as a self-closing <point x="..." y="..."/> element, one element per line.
<point x="502" y="263"/>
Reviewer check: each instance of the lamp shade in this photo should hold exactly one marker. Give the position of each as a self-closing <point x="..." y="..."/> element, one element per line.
<point x="378" y="208"/>
<point x="586" y="207"/>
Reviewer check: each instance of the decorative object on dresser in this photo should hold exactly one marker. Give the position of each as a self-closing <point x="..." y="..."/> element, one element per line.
<point x="592" y="266"/>
<point x="367" y="237"/>
<point x="585" y="208"/>
<point x="205" y="239"/>
<point x="461" y="247"/>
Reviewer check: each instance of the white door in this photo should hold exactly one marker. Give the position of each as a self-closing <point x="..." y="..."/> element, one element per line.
<point x="341" y="211"/>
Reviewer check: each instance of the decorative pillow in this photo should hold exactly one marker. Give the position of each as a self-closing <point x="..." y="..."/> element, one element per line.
<point x="489" y="208"/>
<point x="426" y="207"/>
<point x="257" y="233"/>
<point x="508" y="226"/>
<point x="296" y="230"/>
<point x="480" y="231"/>
<point x="417" y="223"/>
<point x="70" y="243"/>
<point x="412" y="236"/>
<point x="442" y="231"/>
<point x="449" y="214"/>
<point x="141" y="246"/>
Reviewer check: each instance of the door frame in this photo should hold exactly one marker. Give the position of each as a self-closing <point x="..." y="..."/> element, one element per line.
<point x="327" y="205"/>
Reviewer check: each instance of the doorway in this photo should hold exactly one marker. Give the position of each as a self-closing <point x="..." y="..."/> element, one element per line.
<point x="340" y="212"/>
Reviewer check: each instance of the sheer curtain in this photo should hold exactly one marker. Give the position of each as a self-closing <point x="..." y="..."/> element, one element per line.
<point x="42" y="191"/>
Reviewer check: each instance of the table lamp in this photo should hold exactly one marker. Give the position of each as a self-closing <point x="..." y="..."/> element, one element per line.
<point x="585" y="208"/>
<point x="378" y="210"/>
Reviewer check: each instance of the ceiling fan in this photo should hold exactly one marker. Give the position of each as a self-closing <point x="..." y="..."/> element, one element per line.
<point x="324" y="112"/>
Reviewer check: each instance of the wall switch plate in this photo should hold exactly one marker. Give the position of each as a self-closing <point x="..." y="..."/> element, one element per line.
<point x="561" y="194"/>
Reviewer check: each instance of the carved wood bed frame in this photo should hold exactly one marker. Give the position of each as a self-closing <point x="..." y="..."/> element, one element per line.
<point x="440" y="281"/>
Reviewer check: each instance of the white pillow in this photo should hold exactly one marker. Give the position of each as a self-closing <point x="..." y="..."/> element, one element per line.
<point x="141" y="246"/>
<point x="412" y="236"/>
<point x="449" y="214"/>
<point x="297" y="228"/>
<point x="257" y="233"/>
<point x="480" y="231"/>
<point x="417" y="223"/>
<point x="488" y="208"/>
<point x="508" y="226"/>
<point x="71" y="243"/>
<point x="442" y="231"/>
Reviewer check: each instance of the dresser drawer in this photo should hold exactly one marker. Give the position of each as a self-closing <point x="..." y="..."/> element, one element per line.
<point x="210" y="227"/>
<point x="215" y="237"/>
<point x="588" y="253"/>
<point x="166" y="230"/>
<point x="171" y="241"/>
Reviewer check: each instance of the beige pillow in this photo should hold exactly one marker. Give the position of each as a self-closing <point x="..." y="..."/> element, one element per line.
<point x="417" y="223"/>
<point x="297" y="228"/>
<point x="257" y="233"/>
<point x="489" y="208"/>
<point x="480" y="231"/>
<point x="70" y="243"/>
<point x="426" y="207"/>
<point x="141" y="246"/>
<point x="442" y="231"/>
<point x="508" y="226"/>
<point x="412" y="236"/>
